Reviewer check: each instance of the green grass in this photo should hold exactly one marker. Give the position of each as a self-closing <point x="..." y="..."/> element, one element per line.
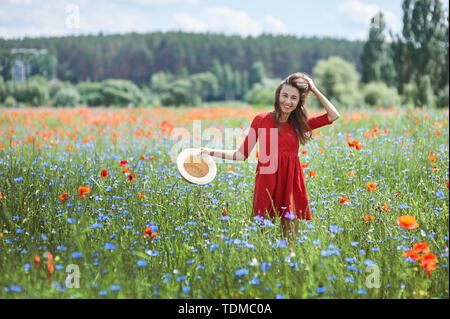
<point x="199" y="254"/>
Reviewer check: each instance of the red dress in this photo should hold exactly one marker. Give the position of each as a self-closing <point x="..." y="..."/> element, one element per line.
<point x="279" y="182"/>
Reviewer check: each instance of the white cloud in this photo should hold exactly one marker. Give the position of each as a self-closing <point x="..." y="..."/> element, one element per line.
<point x="361" y="13"/>
<point x="274" y="25"/>
<point x="227" y="21"/>
<point x="157" y="3"/>
<point x="184" y="21"/>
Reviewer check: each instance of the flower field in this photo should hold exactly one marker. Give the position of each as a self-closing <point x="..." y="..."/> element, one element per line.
<point x="92" y="206"/>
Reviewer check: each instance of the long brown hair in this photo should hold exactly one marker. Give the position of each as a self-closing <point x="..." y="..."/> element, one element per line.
<point x="298" y="117"/>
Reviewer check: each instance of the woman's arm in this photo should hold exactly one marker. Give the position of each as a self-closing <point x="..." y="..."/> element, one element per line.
<point x="233" y="155"/>
<point x="333" y="114"/>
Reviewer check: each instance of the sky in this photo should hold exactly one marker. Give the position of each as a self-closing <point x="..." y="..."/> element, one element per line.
<point x="345" y="19"/>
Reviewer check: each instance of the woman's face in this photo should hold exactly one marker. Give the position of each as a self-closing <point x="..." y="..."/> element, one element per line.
<point x="289" y="98"/>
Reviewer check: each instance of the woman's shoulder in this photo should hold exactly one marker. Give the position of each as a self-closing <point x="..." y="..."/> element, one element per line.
<point x="263" y="116"/>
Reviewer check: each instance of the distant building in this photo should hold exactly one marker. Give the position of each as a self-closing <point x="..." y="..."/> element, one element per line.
<point x="21" y="67"/>
<point x="18" y="71"/>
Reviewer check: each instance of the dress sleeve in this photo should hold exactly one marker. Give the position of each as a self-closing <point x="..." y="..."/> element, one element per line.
<point x="318" y="121"/>
<point x="251" y="138"/>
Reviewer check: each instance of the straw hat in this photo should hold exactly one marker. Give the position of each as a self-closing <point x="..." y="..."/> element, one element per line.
<point x="196" y="168"/>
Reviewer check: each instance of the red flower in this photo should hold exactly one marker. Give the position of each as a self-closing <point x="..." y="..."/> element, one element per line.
<point x="122" y="163"/>
<point x="312" y="174"/>
<point x="432" y="157"/>
<point x="104" y="173"/>
<point x="421" y="248"/>
<point x="428" y="262"/>
<point x="131" y="177"/>
<point x="63" y="197"/>
<point x="83" y="190"/>
<point x="411" y="255"/>
<point x="407" y="222"/>
<point x="225" y="212"/>
<point x="343" y="200"/>
<point x="149" y="232"/>
<point x="371" y="187"/>
<point x="37" y="262"/>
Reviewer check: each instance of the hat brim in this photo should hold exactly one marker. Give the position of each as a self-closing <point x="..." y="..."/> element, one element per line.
<point x="208" y="160"/>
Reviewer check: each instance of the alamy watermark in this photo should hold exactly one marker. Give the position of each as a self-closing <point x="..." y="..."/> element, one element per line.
<point x="73" y="276"/>
<point x="73" y="16"/>
<point x="373" y="279"/>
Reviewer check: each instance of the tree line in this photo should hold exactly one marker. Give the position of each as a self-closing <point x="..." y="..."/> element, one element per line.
<point x="178" y="68"/>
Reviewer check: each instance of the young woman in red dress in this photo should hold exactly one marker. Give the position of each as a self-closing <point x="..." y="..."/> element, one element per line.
<point x="279" y="183"/>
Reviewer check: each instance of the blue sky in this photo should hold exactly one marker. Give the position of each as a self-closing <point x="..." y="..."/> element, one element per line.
<point x="347" y="19"/>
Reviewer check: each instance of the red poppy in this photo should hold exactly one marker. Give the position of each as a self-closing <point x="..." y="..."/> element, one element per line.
<point x="428" y="262"/>
<point x="312" y="174"/>
<point x="432" y="157"/>
<point x="63" y="197"/>
<point x="131" y="177"/>
<point x="225" y="212"/>
<point x="371" y="187"/>
<point x="122" y="163"/>
<point x="343" y="200"/>
<point x="148" y="232"/>
<point x="407" y="222"/>
<point x="411" y="255"/>
<point x="83" y="190"/>
<point x="37" y="262"/>
<point x="125" y="169"/>
<point x="104" y="173"/>
<point x="369" y="218"/>
<point x="421" y="248"/>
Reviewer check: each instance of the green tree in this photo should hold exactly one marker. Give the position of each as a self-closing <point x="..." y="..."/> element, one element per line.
<point x="338" y="80"/>
<point x="421" y="48"/>
<point x="257" y="73"/>
<point x="375" y="61"/>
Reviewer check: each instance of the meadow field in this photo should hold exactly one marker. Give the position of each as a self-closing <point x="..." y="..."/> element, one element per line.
<point x="92" y="206"/>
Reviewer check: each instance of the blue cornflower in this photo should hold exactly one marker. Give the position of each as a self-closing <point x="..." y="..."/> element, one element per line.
<point x="96" y="225"/>
<point x="71" y="220"/>
<point x="289" y="215"/>
<point x="186" y="289"/>
<point x="181" y="278"/>
<point x="316" y="242"/>
<point x="368" y="262"/>
<point x="362" y="292"/>
<point x="114" y="287"/>
<point x="354" y="243"/>
<point x="349" y="279"/>
<point x="320" y="290"/>
<point x="440" y="194"/>
<point x="278" y="296"/>
<point x="110" y="246"/>
<point x="152" y="253"/>
<point x="141" y="263"/>
<point x="241" y="272"/>
<point x="265" y="266"/>
<point x="77" y="254"/>
<point x="332" y="277"/>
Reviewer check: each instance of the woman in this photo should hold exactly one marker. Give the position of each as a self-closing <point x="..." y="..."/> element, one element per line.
<point x="279" y="183"/>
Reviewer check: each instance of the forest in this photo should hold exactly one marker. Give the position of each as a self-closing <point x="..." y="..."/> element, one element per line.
<point x="176" y="68"/>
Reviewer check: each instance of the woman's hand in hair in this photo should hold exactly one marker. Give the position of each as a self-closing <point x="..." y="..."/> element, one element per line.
<point x="312" y="86"/>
